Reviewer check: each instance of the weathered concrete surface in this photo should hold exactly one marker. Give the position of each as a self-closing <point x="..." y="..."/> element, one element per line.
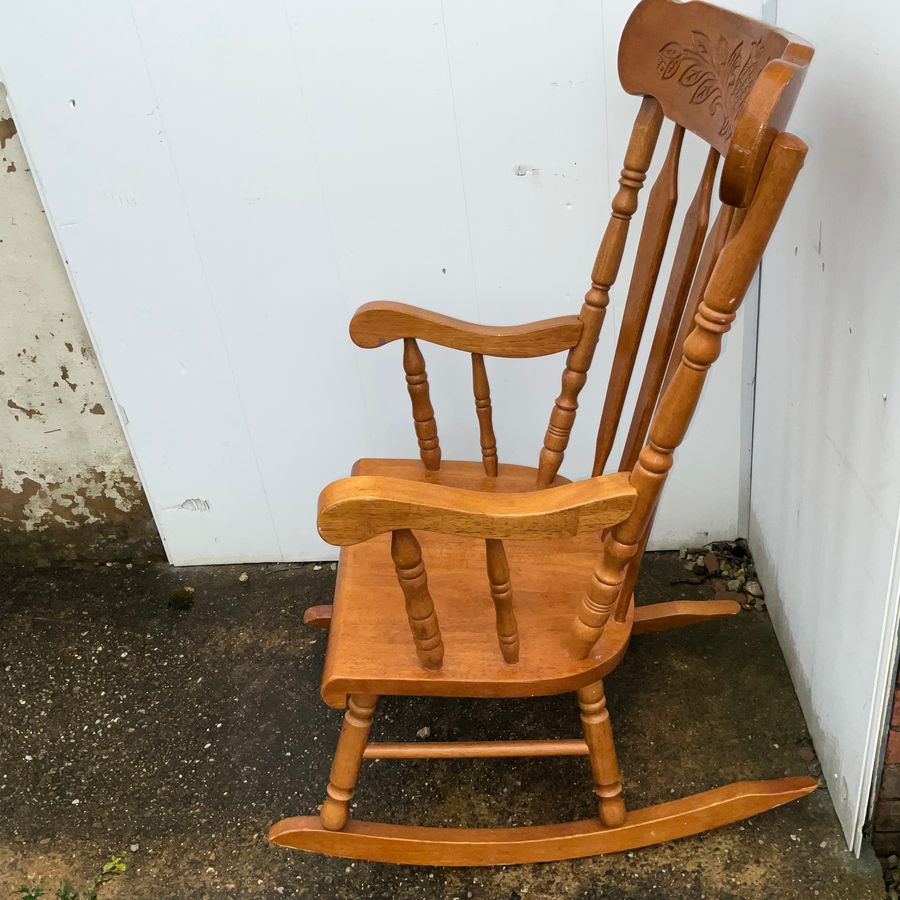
<point x="187" y="732"/>
<point x="68" y="487"/>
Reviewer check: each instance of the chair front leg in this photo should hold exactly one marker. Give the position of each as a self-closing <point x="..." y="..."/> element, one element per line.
<point x="602" y="753"/>
<point x="347" y="760"/>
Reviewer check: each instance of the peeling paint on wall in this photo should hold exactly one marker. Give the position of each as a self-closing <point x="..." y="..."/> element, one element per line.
<point x="68" y="486"/>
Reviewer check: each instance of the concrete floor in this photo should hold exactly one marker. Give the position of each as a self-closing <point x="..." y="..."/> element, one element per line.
<point x="176" y="736"/>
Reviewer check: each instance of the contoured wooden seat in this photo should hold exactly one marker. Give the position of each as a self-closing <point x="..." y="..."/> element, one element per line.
<point x="478" y="579"/>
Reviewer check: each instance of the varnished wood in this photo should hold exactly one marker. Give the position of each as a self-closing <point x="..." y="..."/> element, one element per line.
<point x="476" y="749"/>
<point x="465" y="474"/>
<point x="482" y="391"/>
<point x="678" y="613"/>
<point x="602" y="752"/>
<point x="606" y="268"/>
<point x="318" y="616"/>
<point x="502" y="595"/>
<point x="687" y="255"/>
<point x="369" y="647"/>
<point x="715" y="241"/>
<point x="728" y="221"/>
<point x="653" y="617"/>
<point x="724" y="293"/>
<point x="572" y="549"/>
<point x="418" y="845"/>
<point x="347" y="758"/>
<point x="626" y="591"/>
<point x="378" y="323"/>
<point x="423" y="412"/>
<point x="357" y="508"/>
<point x="407" y="555"/>
<point x="651" y="247"/>
<point x="730" y="79"/>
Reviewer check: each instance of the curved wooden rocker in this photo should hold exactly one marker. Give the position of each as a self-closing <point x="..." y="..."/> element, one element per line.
<point x="555" y="612"/>
<point x="420" y="846"/>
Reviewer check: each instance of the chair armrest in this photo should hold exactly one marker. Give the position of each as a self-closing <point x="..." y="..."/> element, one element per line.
<point x="381" y="322"/>
<point x="360" y="507"/>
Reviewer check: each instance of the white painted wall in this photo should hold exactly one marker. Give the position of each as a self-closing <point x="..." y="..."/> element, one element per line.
<point x="826" y="453"/>
<point x="68" y="487"/>
<point x="227" y="184"/>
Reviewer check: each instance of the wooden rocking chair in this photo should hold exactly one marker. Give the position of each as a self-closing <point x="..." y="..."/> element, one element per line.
<point x="561" y="558"/>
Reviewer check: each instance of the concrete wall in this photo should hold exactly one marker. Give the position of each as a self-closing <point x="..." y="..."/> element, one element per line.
<point x="68" y="486"/>
<point x="826" y="454"/>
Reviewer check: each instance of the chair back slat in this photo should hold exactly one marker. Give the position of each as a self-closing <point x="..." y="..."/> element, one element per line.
<point x="482" y="390"/>
<point x="423" y="412"/>
<point x="661" y="204"/>
<point x="606" y="266"/>
<point x="725" y="225"/>
<point x="687" y="255"/>
<point x="727" y="221"/>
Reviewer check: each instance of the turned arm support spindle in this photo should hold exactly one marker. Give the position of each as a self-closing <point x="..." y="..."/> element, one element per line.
<point x="423" y="623"/>
<point x="501" y="593"/>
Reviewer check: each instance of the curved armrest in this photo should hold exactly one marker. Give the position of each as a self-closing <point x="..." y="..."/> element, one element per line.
<point x="381" y="322"/>
<point x="357" y="508"/>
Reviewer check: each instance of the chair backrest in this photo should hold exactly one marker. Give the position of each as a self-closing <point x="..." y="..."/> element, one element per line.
<point x="733" y="82"/>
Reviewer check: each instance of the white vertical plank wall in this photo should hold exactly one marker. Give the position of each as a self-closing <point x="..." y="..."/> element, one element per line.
<point x="826" y="480"/>
<point x="227" y="184"/>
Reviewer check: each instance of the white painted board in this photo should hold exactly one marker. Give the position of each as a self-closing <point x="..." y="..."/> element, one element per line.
<point x="826" y="452"/>
<point x="227" y="183"/>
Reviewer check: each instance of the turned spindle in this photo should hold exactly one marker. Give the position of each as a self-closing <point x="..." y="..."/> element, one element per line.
<point x="407" y="556"/>
<point x="501" y="592"/>
<point x="423" y="412"/>
<point x="482" y="390"/>
<point x="335" y="810"/>
<point x="606" y="267"/>
<point x="602" y="754"/>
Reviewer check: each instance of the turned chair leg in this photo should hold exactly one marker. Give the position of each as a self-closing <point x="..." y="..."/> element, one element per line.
<point x="602" y="753"/>
<point x="347" y="759"/>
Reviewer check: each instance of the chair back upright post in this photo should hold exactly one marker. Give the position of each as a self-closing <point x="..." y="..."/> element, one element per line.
<point x="606" y="267"/>
<point x="718" y="309"/>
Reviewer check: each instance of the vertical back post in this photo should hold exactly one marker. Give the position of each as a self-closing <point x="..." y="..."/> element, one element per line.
<point x="606" y="267"/>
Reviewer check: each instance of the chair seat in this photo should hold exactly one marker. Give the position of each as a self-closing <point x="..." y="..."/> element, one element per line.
<point x="370" y="648"/>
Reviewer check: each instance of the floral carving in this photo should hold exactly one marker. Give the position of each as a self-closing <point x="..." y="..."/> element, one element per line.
<point x="721" y="77"/>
